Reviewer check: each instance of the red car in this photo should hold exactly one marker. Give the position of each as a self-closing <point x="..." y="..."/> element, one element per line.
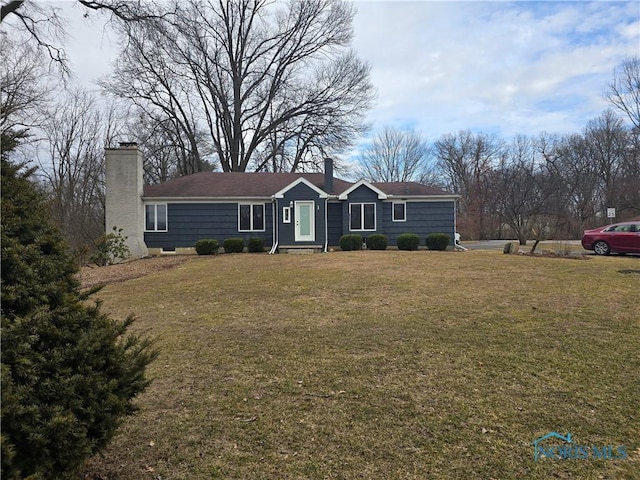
<point x="617" y="238"/>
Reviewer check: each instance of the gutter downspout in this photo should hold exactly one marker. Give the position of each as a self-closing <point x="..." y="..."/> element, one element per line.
<point x="274" y="245"/>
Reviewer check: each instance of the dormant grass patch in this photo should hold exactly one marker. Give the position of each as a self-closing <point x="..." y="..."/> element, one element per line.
<point x="376" y="365"/>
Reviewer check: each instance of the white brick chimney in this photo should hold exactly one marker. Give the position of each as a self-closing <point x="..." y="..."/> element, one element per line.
<point x="123" y="207"/>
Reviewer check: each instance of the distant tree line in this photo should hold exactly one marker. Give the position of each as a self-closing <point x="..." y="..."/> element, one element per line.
<point x="548" y="186"/>
<point x="529" y="187"/>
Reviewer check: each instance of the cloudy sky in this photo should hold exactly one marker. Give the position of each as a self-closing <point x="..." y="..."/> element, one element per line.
<point x="490" y="66"/>
<point x="487" y="66"/>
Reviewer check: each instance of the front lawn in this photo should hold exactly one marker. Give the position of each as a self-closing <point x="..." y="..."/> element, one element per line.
<point x="382" y="365"/>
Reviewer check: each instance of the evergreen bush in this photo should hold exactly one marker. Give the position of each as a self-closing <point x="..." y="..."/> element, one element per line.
<point x="255" y="245"/>
<point x="377" y="241"/>
<point x="207" y="246"/>
<point x="408" y="241"/>
<point x="351" y="242"/>
<point x="437" y="241"/>
<point x="69" y="372"/>
<point x="233" y="245"/>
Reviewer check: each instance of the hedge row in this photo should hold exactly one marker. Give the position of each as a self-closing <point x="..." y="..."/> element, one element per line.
<point x="405" y="241"/>
<point x="377" y="241"/>
<point x="230" y="245"/>
<point x="434" y="241"/>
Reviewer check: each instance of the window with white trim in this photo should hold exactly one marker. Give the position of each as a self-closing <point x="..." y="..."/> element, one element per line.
<point x="286" y="214"/>
<point x="399" y="212"/>
<point x="155" y="217"/>
<point x="251" y="217"/>
<point x="362" y="216"/>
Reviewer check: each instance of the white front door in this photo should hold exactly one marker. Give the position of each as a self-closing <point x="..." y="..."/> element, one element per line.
<point x="305" y="221"/>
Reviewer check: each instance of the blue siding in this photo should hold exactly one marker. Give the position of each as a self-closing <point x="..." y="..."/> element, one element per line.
<point x="301" y="192"/>
<point x="362" y="194"/>
<point x="423" y="218"/>
<point x="190" y="222"/>
<point x="334" y="222"/>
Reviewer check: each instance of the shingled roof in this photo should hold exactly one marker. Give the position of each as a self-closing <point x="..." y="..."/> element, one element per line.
<point x="398" y="189"/>
<point x="240" y="184"/>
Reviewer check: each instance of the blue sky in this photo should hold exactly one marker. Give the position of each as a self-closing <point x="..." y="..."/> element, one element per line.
<point x="444" y="66"/>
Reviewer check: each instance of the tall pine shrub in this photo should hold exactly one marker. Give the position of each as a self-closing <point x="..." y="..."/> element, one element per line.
<point x="69" y="372"/>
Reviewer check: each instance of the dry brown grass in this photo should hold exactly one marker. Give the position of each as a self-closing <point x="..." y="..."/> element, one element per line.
<point x="376" y="365"/>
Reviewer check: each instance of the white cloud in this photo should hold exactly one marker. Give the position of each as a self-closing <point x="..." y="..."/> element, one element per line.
<point x="500" y="67"/>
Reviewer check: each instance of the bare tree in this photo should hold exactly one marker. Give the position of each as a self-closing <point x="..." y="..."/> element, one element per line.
<point x="623" y="92"/>
<point x="127" y="10"/>
<point x="521" y="190"/>
<point x="301" y="141"/>
<point x="75" y="134"/>
<point x="606" y="142"/>
<point x="166" y="153"/>
<point x="47" y="28"/>
<point x="575" y="193"/>
<point x="594" y="170"/>
<point x="42" y="23"/>
<point x="165" y="98"/>
<point x="395" y="156"/>
<point x="24" y="86"/>
<point x="630" y="173"/>
<point x="466" y="161"/>
<point x="274" y="85"/>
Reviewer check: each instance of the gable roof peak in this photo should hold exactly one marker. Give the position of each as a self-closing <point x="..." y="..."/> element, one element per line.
<point x="301" y="180"/>
<point x="344" y="195"/>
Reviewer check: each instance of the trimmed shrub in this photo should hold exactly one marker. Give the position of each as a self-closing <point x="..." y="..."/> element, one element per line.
<point x="377" y="241"/>
<point x="255" y="245"/>
<point x="438" y="241"/>
<point x="207" y="246"/>
<point x="233" y="245"/>
<point x="408" y="241"/>
<point x="351" y="242"/>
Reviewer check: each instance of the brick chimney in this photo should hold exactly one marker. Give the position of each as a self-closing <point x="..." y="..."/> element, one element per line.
<point x="328" y="175"/>
<point x="123" y="206"/>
